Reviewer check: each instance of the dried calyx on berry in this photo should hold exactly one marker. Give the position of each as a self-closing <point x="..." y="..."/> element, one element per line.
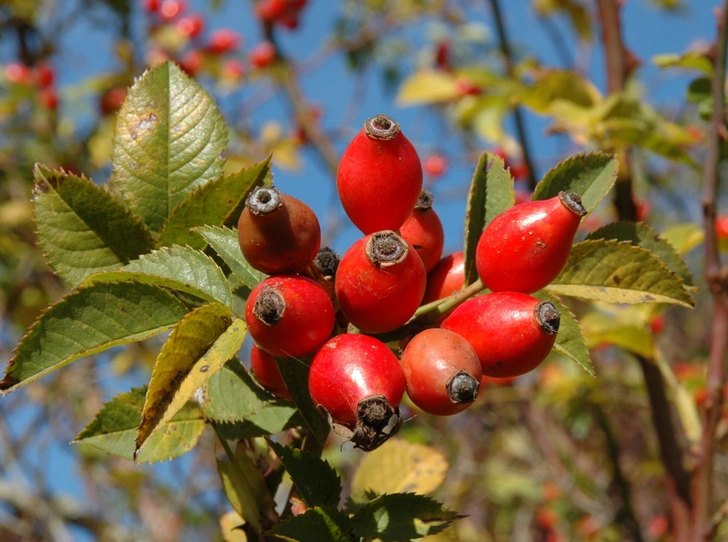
<point x="327" y="261"/>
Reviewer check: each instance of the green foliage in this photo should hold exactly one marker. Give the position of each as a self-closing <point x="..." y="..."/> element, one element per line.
<point x="115" y="427"/>
<point x="169" y="140"/>
<point x="589" y="175"/>
<point x="401" y="516"/>
<point x="179" y="268"/>
<point x="641" y="235"/>
<point x="317" y="482"/>
<point x="87" y="321"/>
<point x="82" y="228"/>
<point x="213" y="204"/>
<point x="197" y="348"/>
<point x="491" y="193"/>
<point x="606" y="270"/>
<point x="225" y="242"/>
<point x="314" y="525"/>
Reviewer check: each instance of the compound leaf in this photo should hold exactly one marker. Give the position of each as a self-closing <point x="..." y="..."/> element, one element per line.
<point x="179" y="268"/>
<point x="615" y="272"/>
<point x="589" y="175"/>
<point x="212" y="204"/>
<point x="169" y="140"/>
<point x="196" y="349"/>
<point x="89" y="320"/>
<point x="232" y="396"/>
<point x="225" y="242"/>
<point x="314" y="525"/>
<point x="82" y="228"/>
<point x="115" y="428"/>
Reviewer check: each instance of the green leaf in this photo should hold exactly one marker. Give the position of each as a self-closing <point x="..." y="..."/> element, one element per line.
<point x="225" y="242"/>
<point x="401" y="516"/>
<point x="169" y="140"/>
<point x="642" y="235"/>
<point x="570" y="342"/>
<point x="232" y="395"/>
<point x="115" y="427"/>
<point x="179" y="268"/>
<point x="89" y="320"/>
<point x="317" y="482"/>
<point x="400" y="466"/>
<point x="314" y="525"/>
<point x="554" y="86"/>
<point x="600" y="328"/>
<point x="618" y="273"/>
<point x="295" y="375"/>
<point x="196" y="349"/>
<point x="245" y="487"/>
<point x="693" y="60"/>
<point x="428" y="87"/>
<point x="491" y="193"/>
<point x="82" y="228"/>
<point x="589" y="175"/>
<point x="273" y="418"/>
<point x="212" y="204"/>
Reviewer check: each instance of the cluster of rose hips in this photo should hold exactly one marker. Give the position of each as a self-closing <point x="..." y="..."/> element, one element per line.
<point x="41" y="77"/>
<point x="209" y="53"/>
<point x="381" y="281"/>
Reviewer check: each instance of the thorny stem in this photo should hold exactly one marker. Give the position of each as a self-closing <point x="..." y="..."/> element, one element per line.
<point x="716" y="276"/>
<point x="505" y="48"/>
<point x="671" y="452"/>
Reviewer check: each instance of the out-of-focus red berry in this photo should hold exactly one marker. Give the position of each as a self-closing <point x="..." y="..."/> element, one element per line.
<point x="522" y="196"/>
<point x="658" y="526"/>
<point x="17" y="73"/>
<point x="289" y="20"/>
<point x="263" y="54"/>
<point x="721" y="227"/>
<point x="48" y="98"/>
<point x="190" y="26"/>
<point x="45" y="75"/>
<point x="233" y="69"/>
<point x="434" y="165"/>
<point x="520" y="171"/>
<point x="224" y="40"/>
<point x="112" y="100"/>
<point x="643" y="208"/>
<point x="151" y="6"/>
<point x="269" y="11"/>
<point x="192" y="61"/>
<point x="171" y="9"/>
<point x="657" y="324"/>
<point x="442" y="55"/>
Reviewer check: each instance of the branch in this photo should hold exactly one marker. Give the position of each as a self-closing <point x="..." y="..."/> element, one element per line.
<point x="716" y="276"/>
<point x="517" y="115"/>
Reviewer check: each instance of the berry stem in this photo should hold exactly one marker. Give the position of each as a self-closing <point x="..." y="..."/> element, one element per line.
<point x="435" y="310"/>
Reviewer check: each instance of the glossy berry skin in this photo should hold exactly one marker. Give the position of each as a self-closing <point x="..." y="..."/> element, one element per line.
<point x="524" y="248"/>
<point x="266" y="372"/>
<point x="289" y="316"/>
<point x="379" y="177"/>
<point x="350" y="368"/>
<point x="511" y="332"/>
<point x="423" y="230"/>
<point x="278" y="233"/>
<point x="442" y="372"/>
<point x="378" y="298"/>
<point x="446" y="278"/>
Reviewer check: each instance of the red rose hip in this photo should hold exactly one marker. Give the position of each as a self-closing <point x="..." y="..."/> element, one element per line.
<point x="511" y="332"/>
<point x="278" y="233"/>
<point x="380" y="282"/>
<point x="524" y="248"/>
<point x="379" y="177"/>
<point x="360" y="384"/>
<point x="442" y="372"/>
<point x="289" y="315"/>
<point x="447" y="277"/>
<point x="266" y="372"/>
<point x="423" y="230"/>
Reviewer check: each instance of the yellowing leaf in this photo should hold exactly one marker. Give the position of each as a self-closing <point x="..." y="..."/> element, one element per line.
<point x="230" y="524"/>
<point x="555" y="86"/>
<point x="428" y="87"/>
<point x="196" y="349"/>
<point x="601" y="328"/>
<point x="400" y="466"/>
